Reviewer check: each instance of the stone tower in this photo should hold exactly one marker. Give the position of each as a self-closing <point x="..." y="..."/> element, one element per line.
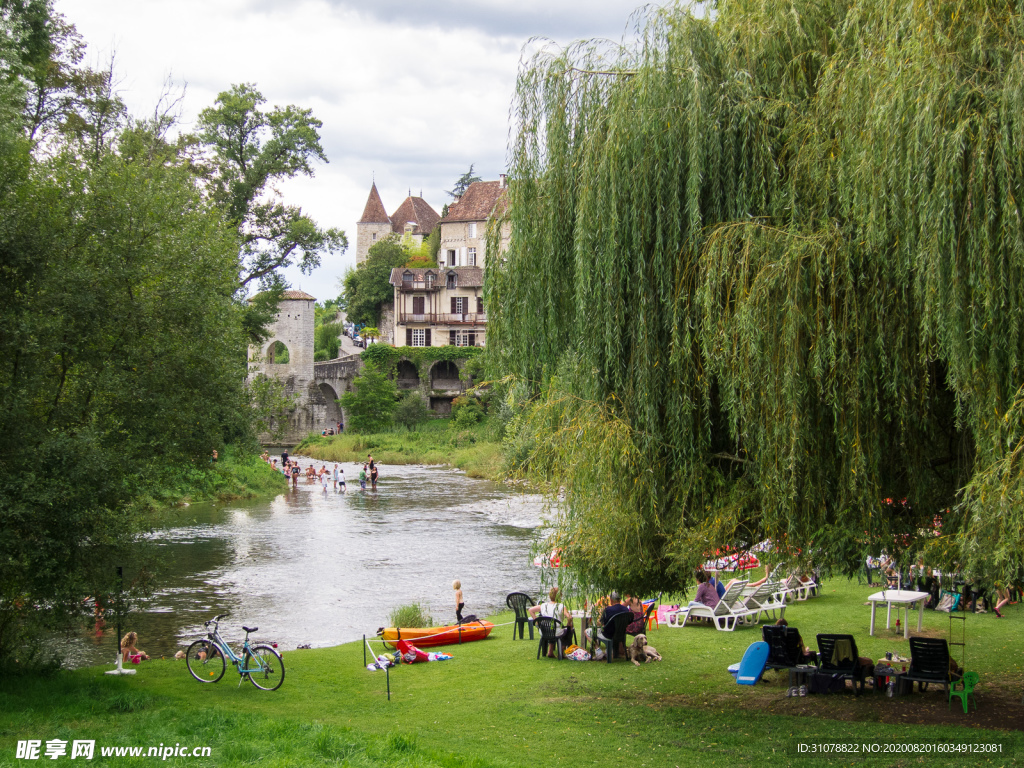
<point x="372" y="225"/>
<point x="294" y="329"/>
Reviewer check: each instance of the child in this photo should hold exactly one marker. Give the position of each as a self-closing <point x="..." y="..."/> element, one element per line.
<point x="323" y="479"/>
<point x="459" y="604"/>
<point x="362" y="478"/>
<point x="335" y="477"/>
<point x="128" y="650"/>
<point x="341" y="480"/>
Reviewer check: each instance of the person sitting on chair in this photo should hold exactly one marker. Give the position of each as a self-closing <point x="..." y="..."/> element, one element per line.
<point x="553" y="610"/>
<point x="807" y="656"/>
<point x="614" y="608"/>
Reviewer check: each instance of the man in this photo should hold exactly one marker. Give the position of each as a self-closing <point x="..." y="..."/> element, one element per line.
<point x="613" y="609"/>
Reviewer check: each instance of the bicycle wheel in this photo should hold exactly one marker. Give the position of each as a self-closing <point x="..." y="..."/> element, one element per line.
<point x="205" y="661"/>
<point x="265" y="667"/>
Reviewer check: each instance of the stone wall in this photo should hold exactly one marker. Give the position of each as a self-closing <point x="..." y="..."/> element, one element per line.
<point x="367" y="235"/>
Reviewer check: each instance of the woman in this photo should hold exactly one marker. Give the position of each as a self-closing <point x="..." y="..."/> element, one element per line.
<point x="128" y="650"/>
<point x="553" y="610"/>
<point x="636" y="626"/>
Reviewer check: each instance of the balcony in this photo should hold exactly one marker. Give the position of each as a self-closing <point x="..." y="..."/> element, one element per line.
<point x="444" y="318"/>
<point x="409" y="286"/>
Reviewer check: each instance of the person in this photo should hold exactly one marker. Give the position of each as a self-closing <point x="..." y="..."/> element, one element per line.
<point x="284" y="458"/>
<point x="295" y="474"/>
<point x="636" y="626"/>
<point x="341" y="480"/>
<point x="553" y="610"/>
<point x="323" y="481"/>
<point x="273" y="465"/>
<point x="373" y="476"/>
<point x="1004" y="598"/>
<point x="807" y="655"/>
<point x="335" y="474"/>
<point x="459" y="602"/>
<point x="213" y="458"/>
<point x="613" y="609"/>
<point x="340" y="427"/>
<point x="362" y="478"/>
<point x="128" y="650"/>
<point x="706" y="592"/>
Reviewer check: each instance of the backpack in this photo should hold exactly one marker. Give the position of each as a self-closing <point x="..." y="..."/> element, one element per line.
<point x="948" y="601"/>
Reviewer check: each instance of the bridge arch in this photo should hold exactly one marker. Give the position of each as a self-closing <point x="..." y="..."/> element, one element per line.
<point x="408" y="375"/>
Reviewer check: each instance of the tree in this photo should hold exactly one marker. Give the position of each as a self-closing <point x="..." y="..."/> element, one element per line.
<point x="122" y="359"/>
<point x="768" y="290"/>
<point x="252" y="149"/>
<point x="368" y="286"/>
<point x="370" y="407"/>
<point x="462" y="183"/>
<point x="411" y="410"/>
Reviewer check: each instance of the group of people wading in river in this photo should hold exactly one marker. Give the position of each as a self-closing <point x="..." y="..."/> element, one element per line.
<point x="290" y="468"/>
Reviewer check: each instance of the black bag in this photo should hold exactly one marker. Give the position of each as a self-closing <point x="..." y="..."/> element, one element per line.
<point x="822" y="682"/>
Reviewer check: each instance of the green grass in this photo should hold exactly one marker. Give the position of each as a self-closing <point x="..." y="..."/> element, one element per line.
<point x="476" y="450"/>
<point x="236" y="475"/>
<point x="496" y="704"/>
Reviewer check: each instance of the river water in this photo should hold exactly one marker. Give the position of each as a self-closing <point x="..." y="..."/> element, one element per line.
<point x="318" y="568"/>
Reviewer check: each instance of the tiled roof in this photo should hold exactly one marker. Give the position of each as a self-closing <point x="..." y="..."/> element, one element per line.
<point x="477" y="203"/>
<point x="415" y="210"/>
<point x="374" y="212"/>
<point x="469" y="277"/>
<point x="297" y="296"/>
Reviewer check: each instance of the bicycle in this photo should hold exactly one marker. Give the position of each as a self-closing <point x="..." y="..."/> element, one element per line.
<point x="207" y="659"/>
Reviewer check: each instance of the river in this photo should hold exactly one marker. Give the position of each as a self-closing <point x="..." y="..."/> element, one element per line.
<point x="316" y="568"/>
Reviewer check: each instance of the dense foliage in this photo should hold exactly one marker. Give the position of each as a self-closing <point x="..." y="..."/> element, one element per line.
<point x="371" y="404"/>
<point x="368" y="286"/>
<point x="122" y="359"/>
<point x="767" y="273"/>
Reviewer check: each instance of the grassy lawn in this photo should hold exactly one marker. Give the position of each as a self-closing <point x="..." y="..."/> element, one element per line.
<point x="496" y="704"/>
<point x="476" y="450"/>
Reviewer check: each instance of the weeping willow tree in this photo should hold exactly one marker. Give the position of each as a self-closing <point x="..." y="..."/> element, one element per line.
<point x="765" y="280"/>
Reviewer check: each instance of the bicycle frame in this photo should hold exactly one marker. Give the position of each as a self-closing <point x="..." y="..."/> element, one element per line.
<point x="236" y="660"/>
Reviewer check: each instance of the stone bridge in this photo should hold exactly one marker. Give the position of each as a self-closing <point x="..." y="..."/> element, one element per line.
<point x="315" y="387"/>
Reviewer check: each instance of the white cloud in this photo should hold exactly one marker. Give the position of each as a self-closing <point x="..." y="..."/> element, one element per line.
<point x="410" y="93"/>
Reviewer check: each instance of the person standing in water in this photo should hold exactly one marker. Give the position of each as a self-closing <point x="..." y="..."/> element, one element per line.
<point x="362" y="478"/>
<point x="341" y="481"/>
<point x="459" y="603"/>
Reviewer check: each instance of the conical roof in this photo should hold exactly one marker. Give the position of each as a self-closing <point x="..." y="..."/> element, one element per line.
<point x="415" y="210"/>
<point x="374" y="212"/>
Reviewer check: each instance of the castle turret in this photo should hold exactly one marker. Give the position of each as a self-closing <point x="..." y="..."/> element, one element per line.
<point x="372" y="225"/>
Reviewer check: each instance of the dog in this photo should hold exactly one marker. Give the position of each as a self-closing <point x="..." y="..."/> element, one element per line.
<point x="640" y="652"/>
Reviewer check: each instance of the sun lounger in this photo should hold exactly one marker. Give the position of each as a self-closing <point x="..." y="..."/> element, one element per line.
<point x="729" y="611"/>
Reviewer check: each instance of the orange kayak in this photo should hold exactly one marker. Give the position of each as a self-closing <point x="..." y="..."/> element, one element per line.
<point x="426" y="637"/>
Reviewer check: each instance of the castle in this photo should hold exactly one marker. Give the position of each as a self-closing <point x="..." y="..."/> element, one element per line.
<point x="414" y="219"/>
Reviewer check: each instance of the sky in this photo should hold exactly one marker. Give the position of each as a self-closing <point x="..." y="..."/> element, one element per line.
<point x="410" y="92"/>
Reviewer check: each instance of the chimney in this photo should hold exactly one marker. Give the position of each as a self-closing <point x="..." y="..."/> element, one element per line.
<point x="502" y="183"/>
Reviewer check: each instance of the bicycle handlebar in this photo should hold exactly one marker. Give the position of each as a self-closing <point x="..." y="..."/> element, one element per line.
<point x="215" y="619"/>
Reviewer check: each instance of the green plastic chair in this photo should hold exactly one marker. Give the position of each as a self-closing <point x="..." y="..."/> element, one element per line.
<point x="970" y="680"/>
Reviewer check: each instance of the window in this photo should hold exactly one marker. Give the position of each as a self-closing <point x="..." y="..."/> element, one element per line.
<point x="471" y="229"/>
<point x="463" y="339"/>
<point x="453" y="280"/>
<point x="472" y="257"/>
<point x="459" y="305"/>
<point x="479" y="305"/>
<point x="374" y="235"/>
<point x="419" y="337"/>
<point x="451" y="259"/>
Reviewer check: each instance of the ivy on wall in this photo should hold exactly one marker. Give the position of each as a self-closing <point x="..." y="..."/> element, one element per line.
<point x="385" y="357"/>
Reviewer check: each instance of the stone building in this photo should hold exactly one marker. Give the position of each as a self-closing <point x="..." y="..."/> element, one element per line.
<point x="438" y="307"/>
<point x="315" y="406"/>
<point x="413" y="219"/>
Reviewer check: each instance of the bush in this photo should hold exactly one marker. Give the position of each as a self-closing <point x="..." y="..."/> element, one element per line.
<point x="467" y="410"/>
<point x="412" y="615"/>
<point x="412" y="410"/>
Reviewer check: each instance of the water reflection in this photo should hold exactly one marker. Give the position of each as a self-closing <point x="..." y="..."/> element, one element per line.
<point x="325" y="568"/>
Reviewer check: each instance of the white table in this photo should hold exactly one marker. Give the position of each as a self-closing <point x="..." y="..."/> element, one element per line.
<point x="898" y="597"/>
<point x="582" y="620"/>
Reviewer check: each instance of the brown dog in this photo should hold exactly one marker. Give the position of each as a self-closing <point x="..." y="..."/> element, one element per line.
<point x="640" y="652"/>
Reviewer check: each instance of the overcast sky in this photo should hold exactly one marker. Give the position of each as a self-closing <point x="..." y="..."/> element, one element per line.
<point x="410" y="92"/>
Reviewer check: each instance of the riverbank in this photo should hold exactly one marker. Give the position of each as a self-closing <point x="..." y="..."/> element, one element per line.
<point x="236" y="475"/>
<point x="496" y="704"/>
<point x="475" y="450"/>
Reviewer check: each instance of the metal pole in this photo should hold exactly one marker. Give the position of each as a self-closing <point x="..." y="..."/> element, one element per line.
<point x="387" y="673"/>
<point x="364" y="650"/>
<point x="120" y="605"/>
